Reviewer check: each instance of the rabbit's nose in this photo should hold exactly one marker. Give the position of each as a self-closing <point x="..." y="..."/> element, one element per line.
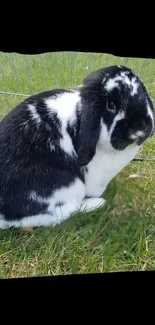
<point x="141" y="136"/>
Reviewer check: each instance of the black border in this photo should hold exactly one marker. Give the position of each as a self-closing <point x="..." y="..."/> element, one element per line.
<point x="138" y="51"/>
<point x="132" y="280"/>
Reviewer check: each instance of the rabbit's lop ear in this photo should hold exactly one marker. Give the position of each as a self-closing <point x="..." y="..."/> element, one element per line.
<point x="90" y="116"/>
<point x="89" y="132"/>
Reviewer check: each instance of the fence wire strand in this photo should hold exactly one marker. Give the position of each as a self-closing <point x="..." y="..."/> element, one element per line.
<point x="5" y="88"/>
<point x="89" y="61"/>
<point x="15" y="71"/>
<point x="73" y="65"/>
<point x="42" y="71"/>
<point x="57" y="70"/>
<point x="145" y="63"/>
<point x="28" y="74"/>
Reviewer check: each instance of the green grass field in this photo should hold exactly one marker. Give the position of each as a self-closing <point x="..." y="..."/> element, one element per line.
<point x="118" y="237"/>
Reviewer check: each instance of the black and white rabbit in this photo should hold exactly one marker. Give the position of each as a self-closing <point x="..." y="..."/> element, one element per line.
<point x="59" y="149"/>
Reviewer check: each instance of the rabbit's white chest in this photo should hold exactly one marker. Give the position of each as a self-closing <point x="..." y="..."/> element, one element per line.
<point x="104" y="167"/>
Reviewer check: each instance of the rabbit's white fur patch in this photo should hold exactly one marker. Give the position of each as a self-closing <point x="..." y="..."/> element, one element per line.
<point x="65" y="107"/>
<point x="71" y="198"/>
<point x="123" y="76"/>
<point x="104" y="166"/>
<point x="34" y="114"/>
<point x="150" y="113"/>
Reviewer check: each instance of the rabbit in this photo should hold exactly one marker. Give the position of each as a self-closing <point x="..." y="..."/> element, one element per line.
<point x="59" y="149"/>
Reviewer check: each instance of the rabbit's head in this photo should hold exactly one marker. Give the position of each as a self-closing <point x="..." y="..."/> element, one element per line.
<point x="116" y="112"/>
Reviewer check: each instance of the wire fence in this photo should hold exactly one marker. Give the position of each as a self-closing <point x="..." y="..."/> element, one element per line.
<point x="24" y="75"/>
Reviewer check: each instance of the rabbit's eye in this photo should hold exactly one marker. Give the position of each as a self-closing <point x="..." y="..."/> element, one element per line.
<point x="111" y="107"/>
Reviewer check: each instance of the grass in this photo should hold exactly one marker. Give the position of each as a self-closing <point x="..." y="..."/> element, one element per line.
<point x="118" y="237"/>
